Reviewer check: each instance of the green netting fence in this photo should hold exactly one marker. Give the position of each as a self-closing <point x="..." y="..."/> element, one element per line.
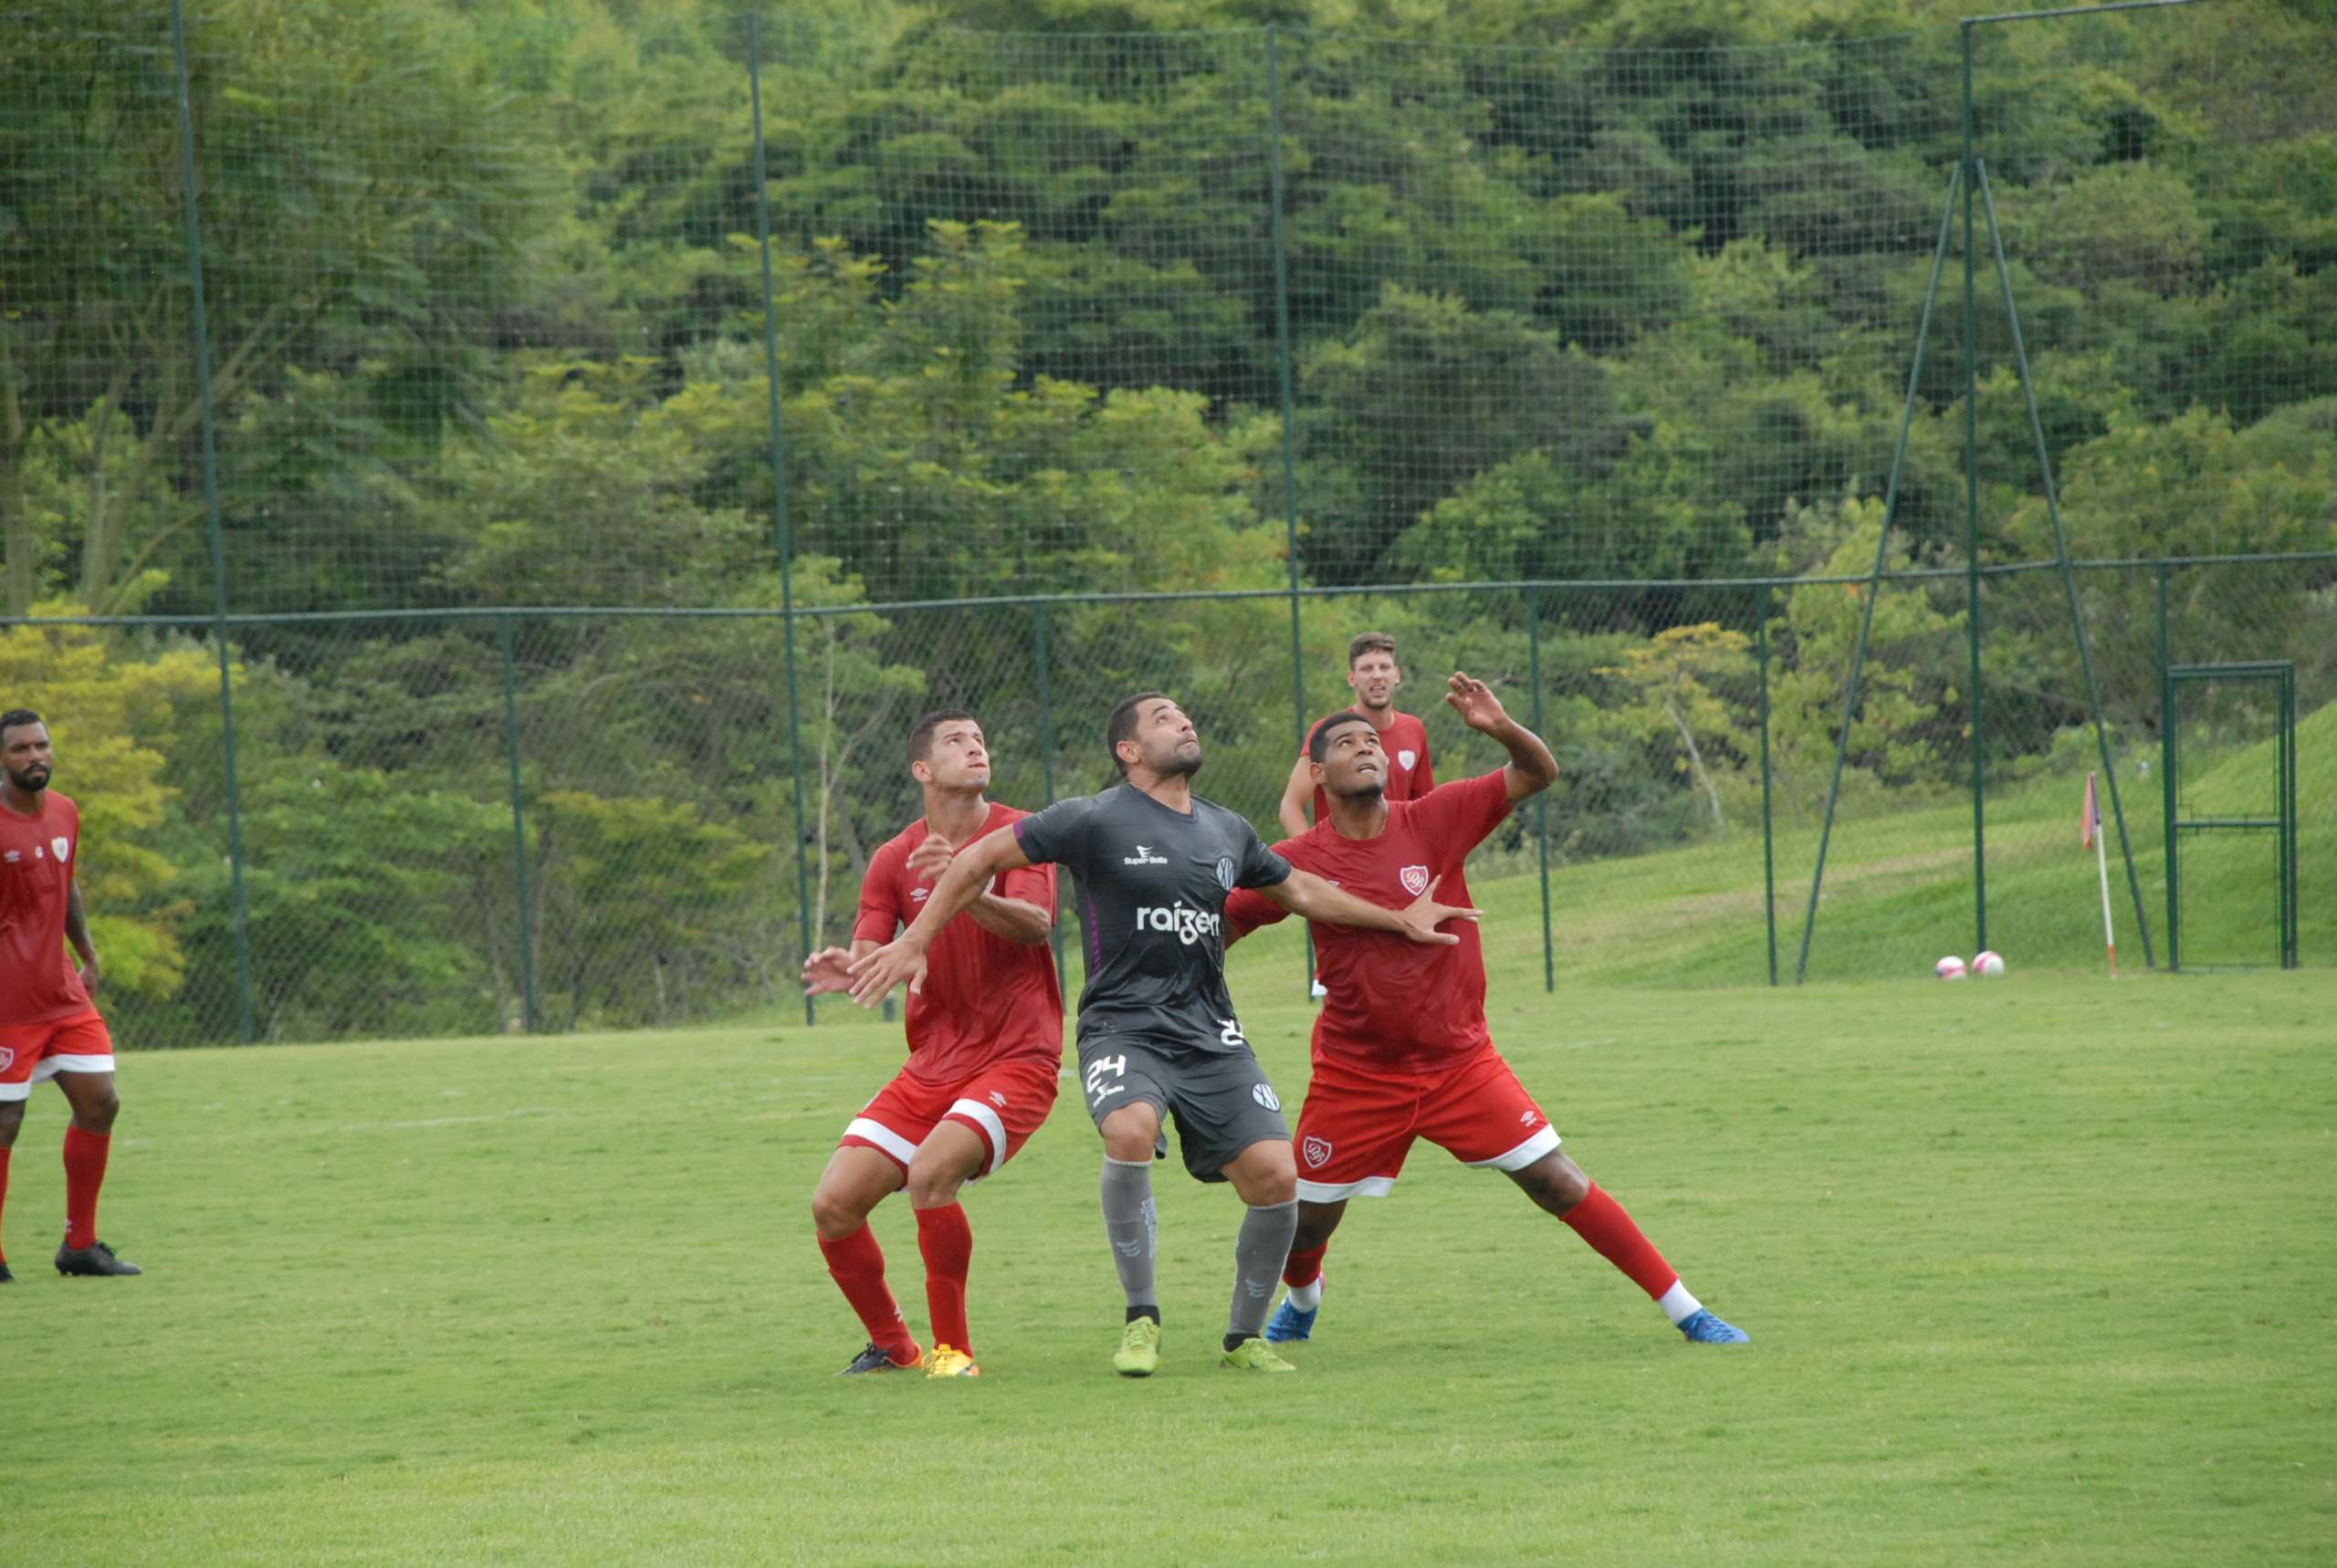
<point x="484" y="494"/>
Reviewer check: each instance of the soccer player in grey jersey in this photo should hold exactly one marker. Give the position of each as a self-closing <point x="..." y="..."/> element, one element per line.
<point x="1154" y="864"/>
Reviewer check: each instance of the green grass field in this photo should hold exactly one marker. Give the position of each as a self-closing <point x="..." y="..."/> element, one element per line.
<point x="2036" y="1272"/>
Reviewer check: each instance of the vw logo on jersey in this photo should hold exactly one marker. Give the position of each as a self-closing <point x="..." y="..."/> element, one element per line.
<point x="1414" y="878"/>
<point x="1318" y="1152"/>
<point x="1263" y="1093"/>
<point x="1225" y="872"/>
<point x="1407" y="758"/>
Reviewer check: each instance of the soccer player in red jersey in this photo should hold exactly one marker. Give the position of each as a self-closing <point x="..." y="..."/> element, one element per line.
<point x="1373" y="677"/>
<point x="1401" y="1049"/>
<point x="48" y="1026"/>
<point x="985" y="1034"/>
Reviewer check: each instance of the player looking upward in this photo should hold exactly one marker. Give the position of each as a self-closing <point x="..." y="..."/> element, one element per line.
<point x="985" y="1038"/>
<point x="1401" y="1049"/>
<point x="1157" y="1033"/>
<point x="50" y="1028"/>
<point x="1373" y="677"/>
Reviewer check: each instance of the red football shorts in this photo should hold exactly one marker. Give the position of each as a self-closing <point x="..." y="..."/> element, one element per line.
<point x="1004" y="1102"/>
<point x="1357" y="1126"/>
<point x="34" y="1054"/>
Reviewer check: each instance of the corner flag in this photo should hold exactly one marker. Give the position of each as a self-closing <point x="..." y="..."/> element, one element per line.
<point x="2090" y="836"/>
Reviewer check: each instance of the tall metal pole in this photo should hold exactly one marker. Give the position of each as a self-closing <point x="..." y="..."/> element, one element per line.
<point x="1971" y="527"/>
<point x="1542" y="799"/>
<point x="218" y="545"/>
<point x="2167" y="720"/>
<point x="778" y="498"/>
<point x="1047" y="763"/>
<point x="1768" y="832"/>
<point x="531" y="1011"/>
<point x="1289" y="406"/>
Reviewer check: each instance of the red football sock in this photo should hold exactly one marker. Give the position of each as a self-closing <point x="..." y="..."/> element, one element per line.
<point x="946" y="1241"/>
<point x="858" y="1265"/>
<point x="4" y="1193"/>
<point x="1601" y="1221"/>
<point x="1303" y="1269"/>
<point x="85" y="1172"/>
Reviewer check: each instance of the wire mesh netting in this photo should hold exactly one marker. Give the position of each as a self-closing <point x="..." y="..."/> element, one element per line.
<point x="572" y="651"/>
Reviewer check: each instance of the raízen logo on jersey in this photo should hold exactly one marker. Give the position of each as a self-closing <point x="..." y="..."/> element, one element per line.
<point x="1144" y="856"/>
<point x="1414" y="878"/>
<point x="1181" y="921"/>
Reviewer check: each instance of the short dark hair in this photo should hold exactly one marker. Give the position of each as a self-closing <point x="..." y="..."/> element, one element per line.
<point x="1121" y="726"/>
<point x="17" y="716"/>
<point x="1370" y="643"/>
<point x="921" y="732"/>
<point x="1318" y="745"/>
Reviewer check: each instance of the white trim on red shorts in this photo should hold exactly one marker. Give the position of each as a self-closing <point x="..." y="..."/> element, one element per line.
<point x="886" y="1141"/>
<point x="993" y="1130"/>
<point x="12" y="1092"/>
<point x="49" y="1067"/>
<point x="1544" y="1140"/>
<point x="1340" y="1191"/>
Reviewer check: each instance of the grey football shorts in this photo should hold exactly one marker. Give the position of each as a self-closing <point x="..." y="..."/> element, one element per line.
<point x="1221" y="1098"/>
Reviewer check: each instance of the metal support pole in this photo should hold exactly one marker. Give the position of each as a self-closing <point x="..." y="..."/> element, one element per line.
<point x="1047" y="763"/>
<point x="1289" y="405"/>
<point x="1768" y="821"/>
<point x="218" y="545"/>
<point x="778" y="498"/>
<point x="2167" y="720"/>
<point x="1874" y="578"/>
<point x="1541" y="799"/>
<point x="1972" y="530"/>
<point x="530" y="1010"/>
<point x="2069" y="576"/>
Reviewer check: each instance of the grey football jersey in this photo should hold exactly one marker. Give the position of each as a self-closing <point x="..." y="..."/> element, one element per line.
<point x="1152" y="883"/>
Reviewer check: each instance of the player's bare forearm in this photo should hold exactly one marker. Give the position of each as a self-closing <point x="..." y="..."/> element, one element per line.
<point x="1530" y="769"/>
<point x="903" y="958"/>
<point x="76" y="928"/>
<point x="1012" y="918"/>
<point x="1292" y="812"/>
<point x="1306" y="894"/>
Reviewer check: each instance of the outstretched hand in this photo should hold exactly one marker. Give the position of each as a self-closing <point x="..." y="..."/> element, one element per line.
<point x="931" y="857"/>
<point x="1475" y="702"/>
<point x="876" y="974"/>
<point x="1424" y="915"/>
<point x="827" y="971"/>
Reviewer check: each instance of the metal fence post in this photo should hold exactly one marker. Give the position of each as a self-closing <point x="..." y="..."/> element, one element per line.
<point x="1289" y="406"/>
<point x="218" y="545"/>
<point x="1542" y="797"/>
<point x="2166" y="721"/>
<point x="1047" y="762"/>
<point x="779" y="498"/>
<point x="530" y="1010"/>
<point x="1972" y="523"/>
<point x="1768" y="821"/>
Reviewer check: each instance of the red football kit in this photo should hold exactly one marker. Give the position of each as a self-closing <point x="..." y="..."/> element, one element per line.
<point x="1408" y="776"/>
<point x="985" y="1030"/>
<point x="1401" y="1049"/>
<point x="47" y="1023"/>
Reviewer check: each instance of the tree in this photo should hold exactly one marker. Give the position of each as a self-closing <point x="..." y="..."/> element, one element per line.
<point x="1671" y="679"/>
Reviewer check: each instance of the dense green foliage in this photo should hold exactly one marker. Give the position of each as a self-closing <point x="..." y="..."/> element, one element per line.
<point x="1561" y="292"/>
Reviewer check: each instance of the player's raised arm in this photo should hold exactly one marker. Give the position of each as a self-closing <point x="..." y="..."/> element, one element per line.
<point x="1295" y="794"/>
<point x="1306" y="895"/>
<point x="1530" y="769"/>
<point x="1016" y="919"/>
<point x="903" y="958"/>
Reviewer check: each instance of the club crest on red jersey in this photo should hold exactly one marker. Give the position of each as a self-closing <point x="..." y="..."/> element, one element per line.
<point x="1414" y="878"/>
<point x="1316" y="1152"/>
<point x="1407" y="758"/>
<point x="7" y="1058"/>
<point x="60" y="847"/>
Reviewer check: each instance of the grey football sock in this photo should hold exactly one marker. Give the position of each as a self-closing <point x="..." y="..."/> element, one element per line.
<point x="1259" y="1253"/>
<point x="1132" y="1225"/>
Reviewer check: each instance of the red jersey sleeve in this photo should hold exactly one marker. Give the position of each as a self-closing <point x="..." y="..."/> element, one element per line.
<point x="1032" y="884"/>
<point x="1424" y="777"/>
<point x="1455" y="818"/>
<point x="880" y="909"/>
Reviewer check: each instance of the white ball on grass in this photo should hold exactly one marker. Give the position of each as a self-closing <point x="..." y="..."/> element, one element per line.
<point x="1988" y="965"/>
<point x="1949" y="968"/>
